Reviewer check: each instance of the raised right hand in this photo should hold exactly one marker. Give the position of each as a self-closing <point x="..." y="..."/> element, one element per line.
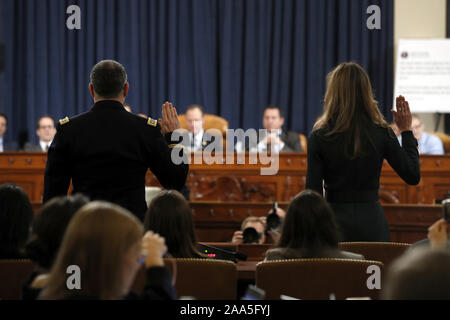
<point x="402" y="117"/>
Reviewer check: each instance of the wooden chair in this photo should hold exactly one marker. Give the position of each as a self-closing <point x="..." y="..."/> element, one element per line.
<point x="13" y="274"/>
<point x="385" y="252"/>
<point x="303" y="142"/>
<point x="445" y="138"/>
<point x="211" y="122"/>
<point x="203" y="279"/>
<point x="314" y="279"/>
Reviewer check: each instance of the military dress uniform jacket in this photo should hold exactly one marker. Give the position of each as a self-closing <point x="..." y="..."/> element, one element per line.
<point x="106" y="152"/>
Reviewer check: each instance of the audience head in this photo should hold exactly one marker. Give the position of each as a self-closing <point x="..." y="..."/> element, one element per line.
<point x="108" y="81"/>
<point x="45" y="129"/>
<point x="3" y="124"/>
<point x="256" y="223"/>
<point x="309" y="225"/>
<point x="420" y="274"/>
<point x="349" y="105"/>
<point x="194" y="118"/>
<point x="417" y="126"/>
<point x="16" y="215"/>
<point x="104" y="241"/>
<point x="49" y="227"/>
<point x="170" y="216"/>
<point x="273" y="118"/>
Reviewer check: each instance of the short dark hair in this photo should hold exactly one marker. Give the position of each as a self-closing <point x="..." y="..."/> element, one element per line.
<point x="309" y="225"/>
<point x="420" y="274"/>
<point x="274" y="106"/>
<point x="49" y="227"/>
<point x="16" y="215"/>
<point x="108" y="77"/>
<point x="4" y="116"/>
<point x="193" y="107"/>
<point x="170" y="216"/>
<point x="38" y="123"/>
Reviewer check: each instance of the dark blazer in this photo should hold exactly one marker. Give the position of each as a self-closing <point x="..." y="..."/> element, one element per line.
<point x="351" y="185"/>
<point x="207" y="139"/>
<point x="327" y="162"/>
<point x="291" y="141"/>
<point x="106" y="152"/>
<point x="30" y="147"/>
<point x="288" y="253"/>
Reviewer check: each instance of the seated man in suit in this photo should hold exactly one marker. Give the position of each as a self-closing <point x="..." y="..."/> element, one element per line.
<point x="5" y="146"/>
<point x="283" y="141"/>
<point x="46" y="131"/>
<point x="198" y="138"/>
<point x="428" y="143"/>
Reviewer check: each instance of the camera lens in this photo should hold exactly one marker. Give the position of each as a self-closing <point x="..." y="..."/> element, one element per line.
<point x="251" y="235"/>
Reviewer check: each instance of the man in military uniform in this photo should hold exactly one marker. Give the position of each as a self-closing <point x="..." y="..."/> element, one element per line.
<point x="107" y="150"/>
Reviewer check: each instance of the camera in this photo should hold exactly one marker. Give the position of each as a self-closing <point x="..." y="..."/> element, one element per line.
<point x="446" y="210"/>
<point x="250" y="235"/>
<point x="273" y="220"/>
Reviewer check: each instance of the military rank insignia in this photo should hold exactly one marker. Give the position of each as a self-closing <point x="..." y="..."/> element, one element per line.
<point x="64" y="121"/>
<point x="152" y="122"/>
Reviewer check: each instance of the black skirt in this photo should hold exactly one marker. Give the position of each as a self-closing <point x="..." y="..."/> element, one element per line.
<point x="361" y="221"/>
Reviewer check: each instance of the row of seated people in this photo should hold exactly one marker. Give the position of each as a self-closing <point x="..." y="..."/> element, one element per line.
<point x="199" y="136"/>
<point x="108" y="242"/>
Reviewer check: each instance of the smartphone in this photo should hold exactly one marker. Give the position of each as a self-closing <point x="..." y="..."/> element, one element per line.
<point x="446" y="210"/>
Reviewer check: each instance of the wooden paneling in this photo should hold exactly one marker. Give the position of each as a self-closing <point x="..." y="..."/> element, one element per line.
<point x="244" y="182"/>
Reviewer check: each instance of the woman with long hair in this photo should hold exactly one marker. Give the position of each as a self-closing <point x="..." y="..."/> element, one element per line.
<point x="104" y="243"/>
<point x="16" y="216"/>
<point x="346" y="151"/>
<point x="309" y="231"/>
<point x="170" y="216"/>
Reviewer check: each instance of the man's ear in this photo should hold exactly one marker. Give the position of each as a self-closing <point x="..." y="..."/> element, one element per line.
<point x="125" y="89"/>
<point x="91" y="90"/>
<point x="282" y="121"/>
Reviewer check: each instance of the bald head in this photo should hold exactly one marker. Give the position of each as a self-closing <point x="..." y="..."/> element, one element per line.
<point x="109" y="80"/>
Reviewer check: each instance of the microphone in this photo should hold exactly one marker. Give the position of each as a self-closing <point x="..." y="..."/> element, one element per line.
<point x="225" y="254"/>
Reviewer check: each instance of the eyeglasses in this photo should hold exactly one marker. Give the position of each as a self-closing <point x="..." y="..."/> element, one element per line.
<point x="46" y="127"/>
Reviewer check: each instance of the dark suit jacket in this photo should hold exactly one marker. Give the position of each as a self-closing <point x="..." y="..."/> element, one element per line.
<point x="207" y="139"/>
<point x="29" y="147"/>
<point x="106" y="152"/>
<point x="291" y="141"/>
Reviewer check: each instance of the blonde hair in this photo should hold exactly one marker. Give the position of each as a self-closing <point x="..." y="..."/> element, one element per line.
<point x="97" y="240"/>
<point x="349" y="105"/>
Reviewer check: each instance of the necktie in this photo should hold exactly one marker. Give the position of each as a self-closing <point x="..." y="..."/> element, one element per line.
<point x="46" y="147"/>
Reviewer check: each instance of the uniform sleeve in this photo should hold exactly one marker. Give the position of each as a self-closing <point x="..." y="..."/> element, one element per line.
<point x="403" y="159"/>
<point x="57" y="171"/>
<point x="167" y="160"/>
<point x="314" y="174"/>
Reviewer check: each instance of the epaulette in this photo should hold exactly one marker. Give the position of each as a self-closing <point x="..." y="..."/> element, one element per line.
<point x="152" y="122"/>
<point x="64" y="121"/>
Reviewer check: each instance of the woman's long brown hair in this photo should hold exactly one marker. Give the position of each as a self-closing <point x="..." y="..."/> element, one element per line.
<point x="349" y="106"/>
<point x="97" y="240"/>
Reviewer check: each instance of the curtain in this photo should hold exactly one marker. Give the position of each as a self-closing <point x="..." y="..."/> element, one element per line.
<point x="233" y="57"/>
